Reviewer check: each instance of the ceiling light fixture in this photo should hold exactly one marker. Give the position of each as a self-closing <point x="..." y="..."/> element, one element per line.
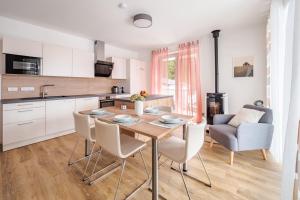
<point x="142" y="20"/>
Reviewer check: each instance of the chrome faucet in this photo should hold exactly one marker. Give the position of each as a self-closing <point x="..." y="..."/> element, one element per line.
<point x="43" y="90"/>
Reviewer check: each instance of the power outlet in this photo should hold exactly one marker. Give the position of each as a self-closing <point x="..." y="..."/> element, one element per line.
<point x="27" y="89"/>
<point x="12" y="89"/>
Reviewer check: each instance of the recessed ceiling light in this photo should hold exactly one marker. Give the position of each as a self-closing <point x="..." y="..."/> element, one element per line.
<point x="122" y="5"/>
<point x="142" y="20"/>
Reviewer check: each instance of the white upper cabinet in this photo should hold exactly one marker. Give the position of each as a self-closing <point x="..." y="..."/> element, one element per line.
<point x="83" y="63"/>
<point x="21" y="46"/>
<point x="119" y="69"/>
<point x="57" y="60"/>
<point x="137" y="76"/>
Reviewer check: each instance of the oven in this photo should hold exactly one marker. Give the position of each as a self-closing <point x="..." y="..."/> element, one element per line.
<point x="107" y="102"/>
<point x="16" y="64"/>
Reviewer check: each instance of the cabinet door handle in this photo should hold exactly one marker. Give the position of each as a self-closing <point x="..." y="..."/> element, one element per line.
<point x="25" y="110"/>
<point x="28" y="104"/>
<point x="22" y="124"/>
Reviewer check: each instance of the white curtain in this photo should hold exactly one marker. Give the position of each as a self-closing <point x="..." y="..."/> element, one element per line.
<point x="285" y="86"/>
<point x="277" y="52"/>
<point x="292" y="66"/>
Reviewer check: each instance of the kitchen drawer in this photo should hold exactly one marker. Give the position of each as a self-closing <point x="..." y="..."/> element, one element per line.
<point x="25" y="105"/>
<point x="23" y="114"/>
<point x="23" y="131"/>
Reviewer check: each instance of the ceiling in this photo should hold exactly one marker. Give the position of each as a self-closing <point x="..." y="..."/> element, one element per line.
<point x="173" y="20"/>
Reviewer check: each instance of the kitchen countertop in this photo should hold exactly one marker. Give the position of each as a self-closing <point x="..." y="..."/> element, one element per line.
<point x="148" y="98"/>
<point x="49" y="98"/>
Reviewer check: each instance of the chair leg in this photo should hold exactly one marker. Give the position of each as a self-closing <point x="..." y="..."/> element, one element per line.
<point x="87" y="164"/>
<point x="199" y="157"/>
<point x="231" y="157"/>
<point x="145" y="166"/>
<point x="97" y="160"/>
<point x="182" y="176"/>
<point x="263" y="151"/>
<point x="74" y="148"/>
<point x="120" y="178"/>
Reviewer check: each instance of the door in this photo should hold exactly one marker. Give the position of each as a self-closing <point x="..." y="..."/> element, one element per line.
<point x="57" y="60"/>
<point x="138" y="78"/>
<point x="59" y="116"/>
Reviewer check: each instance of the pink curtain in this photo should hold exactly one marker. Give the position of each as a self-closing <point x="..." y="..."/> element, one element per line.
<point x="188" y="85"/>
<point x="159" y="71"/>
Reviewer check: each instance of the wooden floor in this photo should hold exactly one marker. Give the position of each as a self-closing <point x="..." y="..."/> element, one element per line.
<point x="40" y="171"/>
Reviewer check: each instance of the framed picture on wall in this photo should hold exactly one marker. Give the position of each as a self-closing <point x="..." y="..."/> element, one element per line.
<point x="243" y="66"/>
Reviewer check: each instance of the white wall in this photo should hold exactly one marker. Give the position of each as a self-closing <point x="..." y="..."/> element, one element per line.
<point x="15" y="28"/>
<point x="248" y="41"/>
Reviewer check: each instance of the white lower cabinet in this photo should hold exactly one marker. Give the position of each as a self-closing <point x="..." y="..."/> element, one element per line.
<point x="22" y="123"/>
<point x="23" y="114"/>
<point x="22" y="131"/>
<point x="31" y="122"/>
<point x="59" y="116"/>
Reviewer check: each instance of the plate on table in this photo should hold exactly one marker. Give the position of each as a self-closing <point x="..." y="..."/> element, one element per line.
<point x="169" y="119"/>
<point x="151" y="110"/>
<point x="97" y="112"/>
<point x="123" y="118"/>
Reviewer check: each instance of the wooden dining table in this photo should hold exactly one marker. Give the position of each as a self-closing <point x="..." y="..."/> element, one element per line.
<point x="143" y="127"/>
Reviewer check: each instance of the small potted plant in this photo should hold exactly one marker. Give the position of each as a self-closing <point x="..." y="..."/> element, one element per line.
<point x="138" y="103"/>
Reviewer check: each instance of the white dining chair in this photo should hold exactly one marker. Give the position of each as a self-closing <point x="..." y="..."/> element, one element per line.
<point x="181" y="151"/>
<point x="83" y="128"/>
<point x="120" y="145"/>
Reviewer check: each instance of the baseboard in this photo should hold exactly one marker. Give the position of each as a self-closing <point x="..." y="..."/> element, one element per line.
<point x="34" y="140"/>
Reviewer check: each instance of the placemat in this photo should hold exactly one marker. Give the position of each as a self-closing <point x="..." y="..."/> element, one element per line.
<point x="134" y="121"/>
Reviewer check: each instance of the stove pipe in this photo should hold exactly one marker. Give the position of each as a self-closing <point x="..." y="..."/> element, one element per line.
<point x="215" y="34"/>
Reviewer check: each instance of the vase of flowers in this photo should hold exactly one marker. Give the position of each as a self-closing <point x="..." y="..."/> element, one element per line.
<point x="138" y="103"/>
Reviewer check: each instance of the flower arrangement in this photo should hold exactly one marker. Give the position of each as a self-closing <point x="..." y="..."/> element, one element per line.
<point x="137" y="97"/>
<point x="143" y="93"/>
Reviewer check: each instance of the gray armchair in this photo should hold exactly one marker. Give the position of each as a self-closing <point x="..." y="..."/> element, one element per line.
<point x="247" y="136"/>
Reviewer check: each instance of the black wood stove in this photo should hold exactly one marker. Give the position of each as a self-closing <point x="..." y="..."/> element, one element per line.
<point x="216" y="103"/>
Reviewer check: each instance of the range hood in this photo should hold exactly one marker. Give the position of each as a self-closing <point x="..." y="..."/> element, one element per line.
<point x="103" y="68"/>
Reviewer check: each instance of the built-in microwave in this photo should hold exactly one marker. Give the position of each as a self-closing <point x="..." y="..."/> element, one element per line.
<point x="16" y="64"/>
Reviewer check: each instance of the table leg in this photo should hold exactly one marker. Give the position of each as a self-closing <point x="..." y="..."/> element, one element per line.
<point x="154" y="170"/>
<point x="87" y="148"/>
<point x="184" y="137"/>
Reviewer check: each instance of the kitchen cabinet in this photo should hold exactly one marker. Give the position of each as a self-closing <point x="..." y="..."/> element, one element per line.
<point x="22" y="122"/>
<point x="23" y="131"/>
<point x="119" y="69"/>
<point x="88" y="103"/>
<point x="20" y="46"/>
<point x="137" y="77"/>
<point x="83" y="63"/>
<point x="57" y="60"/>
<point x="59" y="116"/>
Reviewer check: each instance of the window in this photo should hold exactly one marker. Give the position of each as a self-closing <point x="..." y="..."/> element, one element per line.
<point x="171" y="75"/>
